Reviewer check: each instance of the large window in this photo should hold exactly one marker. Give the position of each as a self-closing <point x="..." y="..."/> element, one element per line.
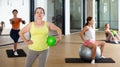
<point x="58" y="13"/>
<point x="75" y="15"/>
<point x="109" y="13"/>
<point x="6" y="7"/>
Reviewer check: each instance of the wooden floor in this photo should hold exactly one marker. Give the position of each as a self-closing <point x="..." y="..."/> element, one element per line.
<point x="68" y="48"/>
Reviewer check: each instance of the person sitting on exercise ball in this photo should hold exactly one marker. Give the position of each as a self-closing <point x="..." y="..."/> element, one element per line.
<point x="87" y="34"/>
<point x="110" y="34"/>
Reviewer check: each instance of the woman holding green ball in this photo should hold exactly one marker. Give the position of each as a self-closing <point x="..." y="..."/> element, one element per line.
<point x="39" y="29"/>
<point x="111" y="35"/>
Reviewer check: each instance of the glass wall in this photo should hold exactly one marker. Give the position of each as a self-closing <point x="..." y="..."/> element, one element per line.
<point x="75" y="15"/>
<point x="109" y="13"/>
<point x="96" y="14"/>
<point x="58" y="13"/>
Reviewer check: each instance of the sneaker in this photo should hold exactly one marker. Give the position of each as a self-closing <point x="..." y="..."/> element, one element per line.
<point x="15" y="53"/>
<point x="93" y="62"/>
<point x="13" y="50"/>
<point x="116" y="42"/>
<point x="102" y="57"/>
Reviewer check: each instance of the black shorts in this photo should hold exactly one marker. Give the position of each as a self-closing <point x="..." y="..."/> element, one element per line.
<point x="14" y="34"/>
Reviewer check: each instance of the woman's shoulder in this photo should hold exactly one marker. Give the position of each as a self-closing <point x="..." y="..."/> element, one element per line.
<point x="30" y="24"/>
<point x="19" y="18"/>
<point x="86" y="27"/>
<point x="11" y="19"/>
<point x="48" y="23"/>
<point x="107" y="30"/>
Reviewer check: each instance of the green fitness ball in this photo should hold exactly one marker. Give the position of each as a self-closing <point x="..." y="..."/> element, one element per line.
<point x="114" y="32"/>
<point x="51" y="40"/>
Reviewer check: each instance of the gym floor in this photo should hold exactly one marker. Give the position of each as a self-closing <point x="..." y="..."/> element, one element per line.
<point x="67" y="48"/>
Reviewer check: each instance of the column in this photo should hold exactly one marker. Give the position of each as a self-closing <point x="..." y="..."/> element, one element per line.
<point x="118" y="15"/>
<point x="43" y="4"/>
<point x="67" y="17"/>
<point x="91" y="9"/>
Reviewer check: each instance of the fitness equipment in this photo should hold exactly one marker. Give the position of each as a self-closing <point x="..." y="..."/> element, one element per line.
<point x="114" y="32"/>
<point x="85" y="53"/>
<point x="51" y="40"/>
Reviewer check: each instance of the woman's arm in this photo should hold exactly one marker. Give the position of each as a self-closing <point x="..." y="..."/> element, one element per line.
<point x="53" y="27"/>
<point x="82" y="33"/>
<point x="11" y="21"/>
<point x="23" y="21"/>
<point x="23" y="31"/>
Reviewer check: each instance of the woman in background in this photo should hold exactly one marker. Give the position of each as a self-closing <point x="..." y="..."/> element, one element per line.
<point x="110" y="34"/>
<point x="2" y="24"/>
<point x="14" y="33"/>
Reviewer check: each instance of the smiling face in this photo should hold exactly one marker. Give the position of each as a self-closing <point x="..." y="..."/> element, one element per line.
<point x="39" y="13"/>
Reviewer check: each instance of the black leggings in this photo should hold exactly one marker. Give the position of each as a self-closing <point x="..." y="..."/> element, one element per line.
<point x="14" y="34"/>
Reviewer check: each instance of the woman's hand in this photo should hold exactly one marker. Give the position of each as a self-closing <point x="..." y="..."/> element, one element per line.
<point x="23" y="22"/>
<point x="57" y="41"/>
<point x="29" y="42"/>
<point x="11" y="21"/>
